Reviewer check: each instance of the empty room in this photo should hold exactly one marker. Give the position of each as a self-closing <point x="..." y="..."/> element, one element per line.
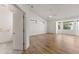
<point x="39" y="28"/>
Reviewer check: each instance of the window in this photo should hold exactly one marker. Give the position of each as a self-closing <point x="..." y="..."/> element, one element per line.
<point x="78" y="25"/>
<point x="59" y="25"/>
<point x="68" y="25"/>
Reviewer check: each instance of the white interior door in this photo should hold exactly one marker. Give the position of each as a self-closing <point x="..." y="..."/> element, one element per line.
<point x="18" y="30"/>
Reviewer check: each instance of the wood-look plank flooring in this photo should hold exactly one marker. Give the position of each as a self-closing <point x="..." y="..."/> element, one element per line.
<point x="53" y="44"/>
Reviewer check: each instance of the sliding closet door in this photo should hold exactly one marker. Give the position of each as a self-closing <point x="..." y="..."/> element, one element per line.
<point x="18" y="29"/>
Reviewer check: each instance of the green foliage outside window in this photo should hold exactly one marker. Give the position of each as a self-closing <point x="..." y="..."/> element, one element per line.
<point x="67" y="25"/>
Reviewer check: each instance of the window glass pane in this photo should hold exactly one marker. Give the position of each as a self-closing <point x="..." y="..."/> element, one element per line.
<point x="68" y="25"/>
<point x="59" y="25"/>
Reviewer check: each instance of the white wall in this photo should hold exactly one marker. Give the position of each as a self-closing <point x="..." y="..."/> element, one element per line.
<point x="5" y="24"/>
<point x="51" y="26"/>
<point x="37" y="25"/>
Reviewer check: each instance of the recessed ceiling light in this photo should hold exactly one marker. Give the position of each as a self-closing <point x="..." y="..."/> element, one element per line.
<point x="50" y="16"/>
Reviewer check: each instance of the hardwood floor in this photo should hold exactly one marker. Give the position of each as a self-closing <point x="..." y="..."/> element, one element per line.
<point x="53" y="44"/>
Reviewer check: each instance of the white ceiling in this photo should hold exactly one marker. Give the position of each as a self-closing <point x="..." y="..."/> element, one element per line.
<point x="57" y="11"/>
